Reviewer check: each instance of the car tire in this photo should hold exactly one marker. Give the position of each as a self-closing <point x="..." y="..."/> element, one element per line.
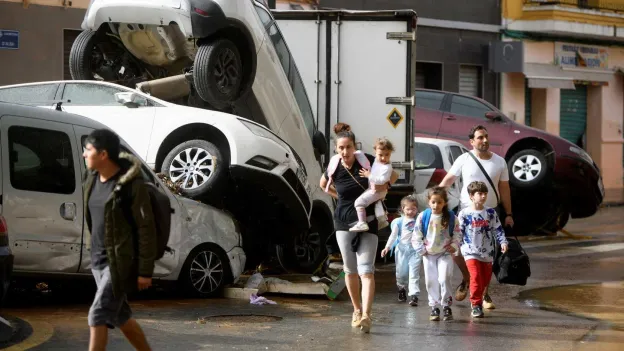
<point x="205" y="272"/>
<point x="81" y="54"/>
<point x="305" y="252"/>
<point x="181" y="165"/>
<point x="218" y="73"/>
<point x="528" y="168"/>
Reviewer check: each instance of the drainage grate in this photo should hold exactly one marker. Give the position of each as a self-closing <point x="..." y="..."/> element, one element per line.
<point x="240" y="318"/>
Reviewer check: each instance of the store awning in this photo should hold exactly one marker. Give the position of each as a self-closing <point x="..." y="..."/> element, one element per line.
<point x="543" y="76"/>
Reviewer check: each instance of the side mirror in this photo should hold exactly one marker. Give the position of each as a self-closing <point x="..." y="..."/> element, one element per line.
<point x="493" y="116"/>
<point x="128" y="99"/>
<point x="319" y="142"/>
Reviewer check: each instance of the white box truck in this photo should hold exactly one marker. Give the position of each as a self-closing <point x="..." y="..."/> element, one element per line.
<point x="358" y="67"/>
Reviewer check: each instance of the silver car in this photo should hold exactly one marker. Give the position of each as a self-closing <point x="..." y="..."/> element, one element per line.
<point x="42" y="204"/>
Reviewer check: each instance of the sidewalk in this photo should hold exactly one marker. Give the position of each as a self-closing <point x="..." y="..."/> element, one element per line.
<point x="613" y="197"/>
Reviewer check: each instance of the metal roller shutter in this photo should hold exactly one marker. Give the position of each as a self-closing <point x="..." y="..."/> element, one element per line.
<point x="573" y="114"/>
<point x="69" y="35"/>
<point x="527" y="103"/>
<point x="420" y="75"/>
<point x="469" y="80"/>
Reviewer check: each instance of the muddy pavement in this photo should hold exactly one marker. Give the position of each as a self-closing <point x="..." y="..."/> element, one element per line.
<point x="572" y="302"/>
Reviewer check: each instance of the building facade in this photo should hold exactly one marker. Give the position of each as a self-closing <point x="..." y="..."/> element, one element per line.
<point x="45" y="31"/>
<point x="571" y="83"/>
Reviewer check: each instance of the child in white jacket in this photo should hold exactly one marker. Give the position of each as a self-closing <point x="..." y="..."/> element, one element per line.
<point x="379" y="174"/>
<point x="436" y="246"/>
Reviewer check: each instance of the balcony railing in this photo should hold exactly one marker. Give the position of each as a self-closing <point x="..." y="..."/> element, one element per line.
<point x="604" y="5"/>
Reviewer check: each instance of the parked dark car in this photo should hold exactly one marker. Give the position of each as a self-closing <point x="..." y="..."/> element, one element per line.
<point x="551" y="178"/>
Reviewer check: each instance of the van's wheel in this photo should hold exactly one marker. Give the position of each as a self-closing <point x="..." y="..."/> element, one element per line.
<point x="94" y="56"/>
<point x="218" y="73"/>
<point x="528" y="168"/>
<point x="199" y="167"/>
<point x="206" y="271"/>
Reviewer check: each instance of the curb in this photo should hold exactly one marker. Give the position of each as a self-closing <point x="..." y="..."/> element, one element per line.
<point x="6" y="330"/>
<point x="13" y="330"/>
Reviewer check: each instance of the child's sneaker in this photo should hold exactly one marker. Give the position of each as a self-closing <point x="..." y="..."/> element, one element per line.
<point x="435" y="314"/>
<point x="413" y="300"/>
<point x="477" y="312"/>
<point x="402" y="295"/>
<point x="448" y="314"/>
<point x="359" y="227"/>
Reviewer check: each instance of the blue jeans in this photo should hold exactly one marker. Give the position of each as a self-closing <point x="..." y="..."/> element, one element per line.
<point x="408" y="264"/>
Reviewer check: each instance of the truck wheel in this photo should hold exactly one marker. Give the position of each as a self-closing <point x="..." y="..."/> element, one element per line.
<point x="528" y="168"/>
<point x="93" y="56"/>
<point x="218" y="73"/>
<point x="205" y="272"/>
<point x="199" y="167"/>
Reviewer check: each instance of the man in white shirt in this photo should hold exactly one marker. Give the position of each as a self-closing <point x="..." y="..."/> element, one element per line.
<point x="496" y="168"/>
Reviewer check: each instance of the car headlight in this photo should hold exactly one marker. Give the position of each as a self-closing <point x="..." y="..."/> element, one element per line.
<point x="584" y="155"/>
<point x="265" y="133"/>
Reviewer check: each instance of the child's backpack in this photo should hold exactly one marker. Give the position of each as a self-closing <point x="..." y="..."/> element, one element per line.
<point x="161" y="212"/>
<point x="512" y="267"/>
<point x="426" y="216"/>
<point x="399" y="223"/>
<point x="335" y="160"/>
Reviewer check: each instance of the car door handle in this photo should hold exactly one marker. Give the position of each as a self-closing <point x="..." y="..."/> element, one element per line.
<point x="68" y="211"/>
<point x="451" y="118"/>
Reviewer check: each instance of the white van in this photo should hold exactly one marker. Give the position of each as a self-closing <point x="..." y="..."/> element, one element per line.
<point x="42" y="206"/>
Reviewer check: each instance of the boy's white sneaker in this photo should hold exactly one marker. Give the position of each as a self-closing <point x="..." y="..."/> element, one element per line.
<point x="359" y="227"/>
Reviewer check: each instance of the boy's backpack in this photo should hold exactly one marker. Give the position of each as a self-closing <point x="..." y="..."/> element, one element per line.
<point x="161" y="212"/>
<point x="335" y="160"/>
<point x="426" y="216"/>
<point x="512" y="267"/>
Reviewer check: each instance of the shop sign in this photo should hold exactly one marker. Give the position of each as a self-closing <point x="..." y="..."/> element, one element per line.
<point x="578" y="55"/>
<point x="9" y="39"/>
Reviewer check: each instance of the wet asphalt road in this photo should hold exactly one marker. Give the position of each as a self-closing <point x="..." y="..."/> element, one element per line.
<point x="573" y="301"/>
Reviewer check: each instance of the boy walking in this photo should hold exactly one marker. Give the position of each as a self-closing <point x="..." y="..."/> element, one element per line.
<point x="113" y="182"/>
<point x="479" y="224"/>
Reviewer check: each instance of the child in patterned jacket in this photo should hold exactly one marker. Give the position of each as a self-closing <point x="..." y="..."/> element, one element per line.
<point x="479" y="225"/>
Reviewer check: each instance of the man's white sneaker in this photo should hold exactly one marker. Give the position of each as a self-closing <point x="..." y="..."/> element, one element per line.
<point x="359" y="227"/>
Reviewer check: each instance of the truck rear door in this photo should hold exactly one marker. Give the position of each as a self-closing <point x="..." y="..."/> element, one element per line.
<point x="358" y="68"/>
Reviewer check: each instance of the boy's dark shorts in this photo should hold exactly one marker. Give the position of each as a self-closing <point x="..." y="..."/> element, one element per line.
<point x="106" y="308"/>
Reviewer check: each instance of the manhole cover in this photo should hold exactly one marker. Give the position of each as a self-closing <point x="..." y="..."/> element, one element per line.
<point x="240" y="318"/>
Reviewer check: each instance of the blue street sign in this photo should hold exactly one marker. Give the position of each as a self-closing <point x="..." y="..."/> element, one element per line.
<point x="9" y="39"/>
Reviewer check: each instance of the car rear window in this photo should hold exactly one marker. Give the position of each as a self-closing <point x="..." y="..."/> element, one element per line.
<point x="429" y="99"/>
<point x="427" y="156"/>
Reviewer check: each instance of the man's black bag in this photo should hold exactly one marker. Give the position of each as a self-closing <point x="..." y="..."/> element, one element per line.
<point x="512" y="267"/>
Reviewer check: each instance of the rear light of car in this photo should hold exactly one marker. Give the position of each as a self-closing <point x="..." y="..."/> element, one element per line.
<point x="436" y="178"/>
<point x="201" y="12"/>
<point x="4" y="232"/>
<point x="392" y="216"/>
